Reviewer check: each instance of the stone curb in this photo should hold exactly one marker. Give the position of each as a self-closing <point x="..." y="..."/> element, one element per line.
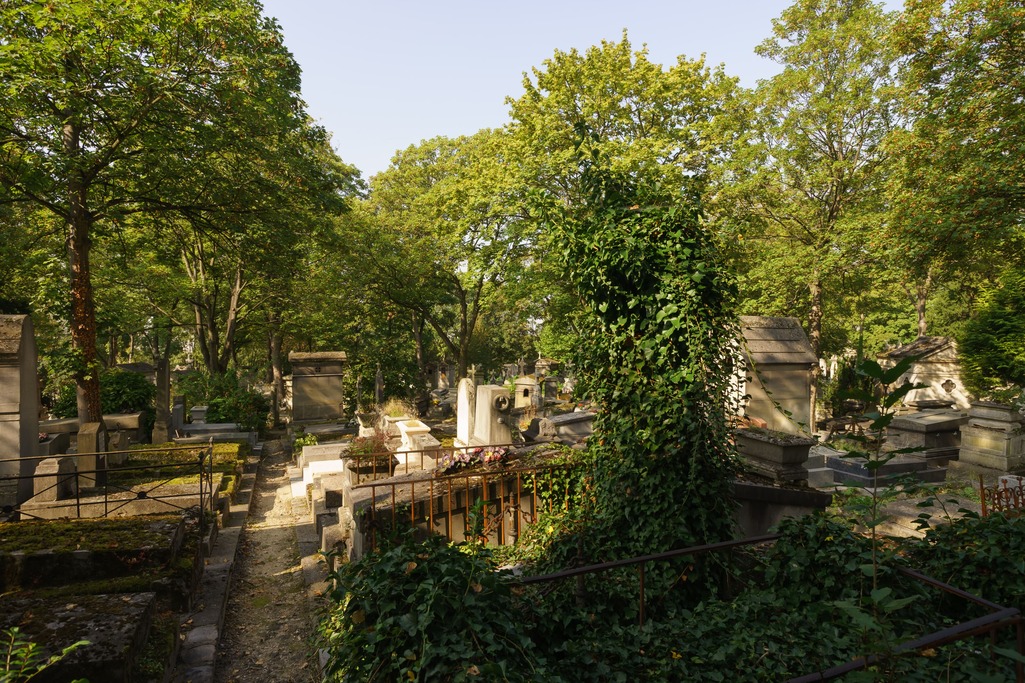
<point x="198" y="652"/>
<point x="314" y="570"/>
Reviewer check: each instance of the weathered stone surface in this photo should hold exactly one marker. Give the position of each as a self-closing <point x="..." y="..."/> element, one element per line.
<point x="780" y="359"/>
<point x="115" y="625"/>
<point x="19" y="404"/>
<point x="317" y="385"/>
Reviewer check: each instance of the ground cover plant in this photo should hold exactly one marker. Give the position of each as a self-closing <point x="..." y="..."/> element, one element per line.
<point x="803" y="604"/>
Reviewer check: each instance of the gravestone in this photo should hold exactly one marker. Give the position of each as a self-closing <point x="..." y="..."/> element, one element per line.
<point x="993" y="438"/>
<point x="526" y="394"/>
<point x="177" y="416"/>
<point x="19" y="407"/>
<point x="318" y="392"/>
<point x="937" y="433"/>
<point x="54" y="480"/>
<point x="466" y="407"/>
<point x="92" y="449"/>
<point x="779" y="361"/>
<point x="162" y="403"/>
<point x="379" y="386"/>
<point x="491" y="418"/>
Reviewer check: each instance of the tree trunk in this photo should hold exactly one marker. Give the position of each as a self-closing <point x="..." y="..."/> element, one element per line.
<point x="274" y="337"/>
<point x="921" y="296"/>
<point x="815" y="337"/>
<point x="83" y="309"/>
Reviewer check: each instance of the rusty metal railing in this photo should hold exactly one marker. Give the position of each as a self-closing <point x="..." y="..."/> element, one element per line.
<point x="1008" y="500"/>
<point x="99" y="486"/>
<point x="502" y="501"/>
<point x="1000" y="617"/>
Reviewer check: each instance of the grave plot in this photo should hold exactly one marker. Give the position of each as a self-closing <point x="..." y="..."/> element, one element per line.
<point x="118" y="584"/>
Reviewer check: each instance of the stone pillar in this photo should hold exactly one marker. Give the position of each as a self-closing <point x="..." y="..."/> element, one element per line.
<point x="162" y="407"/>
<point x="19" y="407"/>
<point x="177" y="415"/>
<point x="92" y="447"/>
<point x="466" y="408"/>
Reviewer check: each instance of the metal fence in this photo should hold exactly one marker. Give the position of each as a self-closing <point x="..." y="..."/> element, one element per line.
<point x="1001" y="498"/>
<point x="106" y="491"/>
<point x="999" y="617"/>
<point x="491" y="505"/>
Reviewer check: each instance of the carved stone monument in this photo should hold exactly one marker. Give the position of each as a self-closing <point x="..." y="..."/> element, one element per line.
<point x="19" y="407"/>
<point x="466" y="407"/>
<point x="317" y="385"/>
<point x="92" y="448"/>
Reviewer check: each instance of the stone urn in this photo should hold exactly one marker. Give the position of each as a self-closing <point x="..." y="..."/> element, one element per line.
<point x="390" y="424"/>
<point x="367" y="423"/>
<point x="776" y="455"/>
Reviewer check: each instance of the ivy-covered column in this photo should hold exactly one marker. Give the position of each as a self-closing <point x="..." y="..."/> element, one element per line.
<point x="657" y="358"/>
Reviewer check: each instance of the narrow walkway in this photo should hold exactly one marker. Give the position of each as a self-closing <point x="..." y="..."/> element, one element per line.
<point x="268" y="628"/>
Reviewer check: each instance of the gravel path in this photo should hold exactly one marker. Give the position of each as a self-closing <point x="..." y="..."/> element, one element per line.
<point x="268" y="626"/>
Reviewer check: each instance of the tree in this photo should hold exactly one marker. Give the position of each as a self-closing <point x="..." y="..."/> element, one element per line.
<point x="802" y="193"/>
<point x="441" y="233"/>
<point x="957" y="187"/>
<point x="115" y="108"/>
<point x="643" y="118"/>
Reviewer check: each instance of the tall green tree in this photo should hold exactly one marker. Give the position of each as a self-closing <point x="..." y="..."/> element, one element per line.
<point x="802" y="190"/>
<point x="441" y="231"/>
<point x="113" y="108"/>
<point x="643" y="118"/>
<point x="958" y="181"/>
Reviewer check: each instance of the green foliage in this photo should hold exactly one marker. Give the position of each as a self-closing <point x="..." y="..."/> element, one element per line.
<point x="425" y="612"/>
<point x="22" y="659"/>
<point x="226" y="399"/>
<point x="304" y="439"/>
<point x="992" y="345"/>
<point x="121" y="391"/>
<point x="657" y="356"/>
<point x="369" y="445"/>
<point x="881" y="400"/>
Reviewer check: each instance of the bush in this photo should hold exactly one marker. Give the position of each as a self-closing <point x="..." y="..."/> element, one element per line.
<point x="227" y="400"/>
<point x="992" y="346"/>
<point x="431" y="612"/>
<point x="121" y="391"/>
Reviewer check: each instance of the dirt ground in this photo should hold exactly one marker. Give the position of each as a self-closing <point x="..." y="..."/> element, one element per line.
<point x="268" y="630"/>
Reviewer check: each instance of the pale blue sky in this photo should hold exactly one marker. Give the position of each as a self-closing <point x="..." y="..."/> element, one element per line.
<point x="381" y="75"/>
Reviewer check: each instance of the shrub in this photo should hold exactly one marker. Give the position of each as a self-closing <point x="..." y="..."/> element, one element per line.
<point x="992" y="345"/>
<point x="430" y="612"/>
<point x="226" y="398"/>
<point x="121" y="391"/>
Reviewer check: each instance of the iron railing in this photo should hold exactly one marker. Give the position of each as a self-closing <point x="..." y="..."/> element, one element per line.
<point x="1008" y="500"/>
<point x="998" y="618"/>
<point x="491" y="505"/>
<point x="98" y="493"/>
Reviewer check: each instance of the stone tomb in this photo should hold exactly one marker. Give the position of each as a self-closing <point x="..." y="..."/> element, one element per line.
<point x="780" y="360"/>
<point x="418" y="450"/>
<point x="19" y="407"/>
<point x="936" y="366"/>
<point x="993" y="438"/>
<point x="317" y="385"/>
<point x="483" y="414"/>
<point x="936" y="432"/>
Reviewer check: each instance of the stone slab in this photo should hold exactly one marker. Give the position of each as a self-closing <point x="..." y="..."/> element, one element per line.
<point x="115" y="625"/>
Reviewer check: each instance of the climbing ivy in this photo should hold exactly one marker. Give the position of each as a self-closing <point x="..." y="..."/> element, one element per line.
<point x="657" y="355"/>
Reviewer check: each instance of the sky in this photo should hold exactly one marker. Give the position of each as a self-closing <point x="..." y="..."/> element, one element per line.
<point x="382" y="75"/>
